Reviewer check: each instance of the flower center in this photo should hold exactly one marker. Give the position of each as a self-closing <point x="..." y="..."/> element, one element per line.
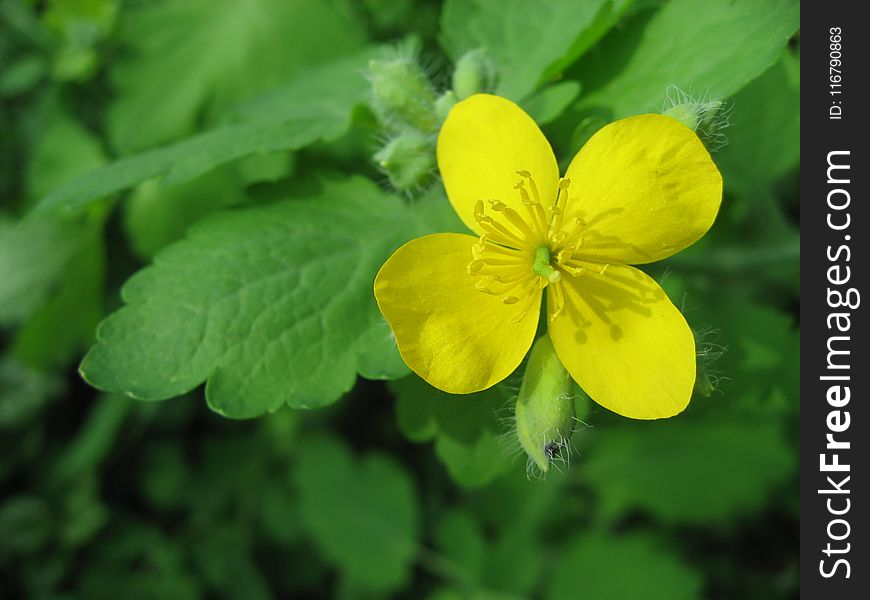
<point x="542" y="266"/>
<point x="520" y="254"/>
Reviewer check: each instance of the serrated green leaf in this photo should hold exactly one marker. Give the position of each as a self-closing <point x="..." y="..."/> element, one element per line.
<point x="612" y="567"/>
<point x="194" y="59"/>
<point x="467" y="428"/>
<point x="703" y="47"/>
<point x="291" y="118"/>
<point x="473" y="463"/>
<point x="524" y="38"/>
<point x="361" y="513"/>
<point x="689" y="471"/>
<point x="155" y="215"/>
<point x="268" y="304"/>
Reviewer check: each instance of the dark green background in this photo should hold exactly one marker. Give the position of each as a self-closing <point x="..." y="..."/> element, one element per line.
<point x="124" y="123"/>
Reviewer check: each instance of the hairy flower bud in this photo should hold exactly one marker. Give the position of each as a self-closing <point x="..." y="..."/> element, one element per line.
<point x="708" y="354"/>
<point x="545" y="407"/>
<point x="444" y="103"/>
<point x="708" y="117"/>
<point x="408" y="160"/>
<point x="474" y="73"/>
<point x="402" y="95"/>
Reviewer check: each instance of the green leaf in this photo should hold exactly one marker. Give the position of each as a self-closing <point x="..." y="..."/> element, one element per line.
<point x="25" y="525"/>
<point x="703" y="47"/>
<point x="194" y="59"/>
<point x="764" y="136"/>
<point x="466" y="428"/>
<point x="156" y="215"/>
<point x="547" y="104"/>
<point x="474" y="463"/>
<point x="610" y="567"/>
<point x="24" y="392"/>
<point x="226" y="563"/>
<point x="761" y="358"/>
<point x="379" y="356"/>
<point x="460" y="537"/>
<point x="290" y="118"/>
<point x="85" y="453"/>
<point x="63" y="151"/>
<point x="361" y="513"/>
<point x="510" y="561"/>
<point x="50" y="338"/>
<point x="686" y="470"/>
<point x="270" y="304"/>
<point x="34" y="257"/>
<point x="526" y="39"/>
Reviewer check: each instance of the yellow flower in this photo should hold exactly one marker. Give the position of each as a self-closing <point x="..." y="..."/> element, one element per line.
<point x="465" y="309"/>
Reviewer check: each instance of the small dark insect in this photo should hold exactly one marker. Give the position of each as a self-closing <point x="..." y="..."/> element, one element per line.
<point x="552" y="449"/>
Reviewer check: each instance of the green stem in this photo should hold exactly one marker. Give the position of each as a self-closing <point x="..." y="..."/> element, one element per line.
<point x="95" y="439"/>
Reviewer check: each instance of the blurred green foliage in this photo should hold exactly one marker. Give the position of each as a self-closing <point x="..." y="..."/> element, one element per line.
<point x="214" y="159"/>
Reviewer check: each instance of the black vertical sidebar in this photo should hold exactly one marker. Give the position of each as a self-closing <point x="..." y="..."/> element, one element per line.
<point x="835" y="420"/>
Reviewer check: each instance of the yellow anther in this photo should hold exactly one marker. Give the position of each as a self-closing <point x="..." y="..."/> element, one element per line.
<point x="573" y="270"/>
<point x="482" y="285"/>
<point x="564" y="255"/>
<point x="558" y="301"/>
<point x="524" y="195"/>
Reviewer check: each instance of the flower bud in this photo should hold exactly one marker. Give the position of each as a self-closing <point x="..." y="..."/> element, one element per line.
<point x="402" y="95"/>
<point x="444" y="103"/>
<point x="408" y="160"/>
<point x="474" y="72"/>
<point x="545" y="407"/>
<point x="707" y="117"/>
<point x="708" y="352"/>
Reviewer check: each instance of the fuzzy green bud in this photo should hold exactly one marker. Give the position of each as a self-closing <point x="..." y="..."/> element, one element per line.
<point x="706" y="117"/>
<point x="545" y="406"/>
<point x="408" y="160"/>
<point x="474" y="72"/>
<point x="707" y="354"/>
<point x="402" y="95"/>
<point x="703" y="384"/>
<point x="444" y="103"/>
<point x="687" y="114"/>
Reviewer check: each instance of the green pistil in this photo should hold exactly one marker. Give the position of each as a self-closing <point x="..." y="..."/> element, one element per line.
<point x="542" y="266"/>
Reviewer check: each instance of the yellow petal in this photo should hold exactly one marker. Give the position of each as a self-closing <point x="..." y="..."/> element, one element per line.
<point x="623" y="341"/>
<point x="484" y="141"/>
<point x="645" y="187"/>
<point x="455" y="337"/>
